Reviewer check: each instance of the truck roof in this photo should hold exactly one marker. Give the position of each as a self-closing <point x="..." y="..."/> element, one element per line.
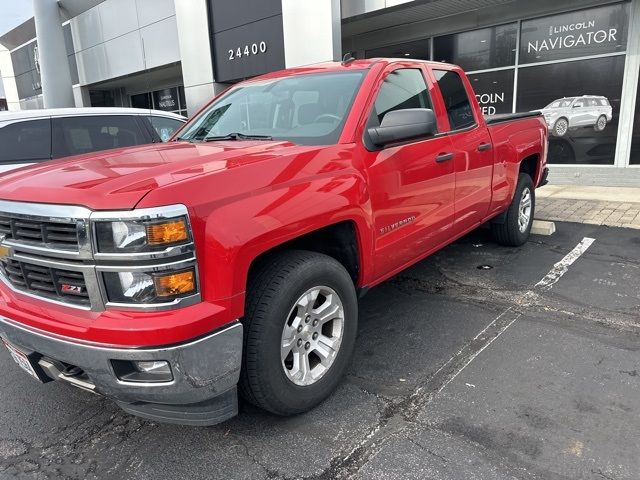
<point x="362" y="64"/>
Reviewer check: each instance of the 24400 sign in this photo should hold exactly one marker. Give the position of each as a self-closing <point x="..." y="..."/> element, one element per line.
<point x="253" y="49"/>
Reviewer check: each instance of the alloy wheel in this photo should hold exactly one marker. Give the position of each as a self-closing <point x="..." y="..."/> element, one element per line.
<point x="312" y="335"/>
<point x="561" y="128"/>
<point x="524" y="211"/>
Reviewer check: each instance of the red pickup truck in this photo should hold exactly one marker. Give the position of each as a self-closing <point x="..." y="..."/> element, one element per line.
<point x="167" y="277"/>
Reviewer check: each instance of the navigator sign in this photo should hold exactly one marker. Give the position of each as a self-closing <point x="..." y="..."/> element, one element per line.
<point x="586" y="32"/>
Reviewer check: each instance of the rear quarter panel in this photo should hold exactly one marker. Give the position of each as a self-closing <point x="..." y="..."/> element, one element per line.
<point x="513" y="141"/>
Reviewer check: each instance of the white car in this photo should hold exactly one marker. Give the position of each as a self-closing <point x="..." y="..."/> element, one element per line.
<point x="32" y="136"/>
<point x="573" y="112"/>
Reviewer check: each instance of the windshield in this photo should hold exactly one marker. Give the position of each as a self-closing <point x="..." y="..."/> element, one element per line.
<point x="304" y="109"/>
<point x="565" y="102"/>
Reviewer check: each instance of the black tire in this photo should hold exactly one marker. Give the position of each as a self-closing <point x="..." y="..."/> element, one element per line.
<point x="562" y="131"/>
<point x="273" y="290"/>
<point x="509" y="233"/>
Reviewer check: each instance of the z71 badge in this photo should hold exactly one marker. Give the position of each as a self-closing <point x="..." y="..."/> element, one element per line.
<point x="72" y="289"/>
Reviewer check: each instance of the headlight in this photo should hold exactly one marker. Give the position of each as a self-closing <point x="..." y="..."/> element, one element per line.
<point x="146" y="258"/>
<point x="136" y="287"/>
<point x="131" y="236"/>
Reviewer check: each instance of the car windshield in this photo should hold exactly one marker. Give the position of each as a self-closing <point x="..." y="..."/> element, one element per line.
<point x="304" y="109"/>
<point x="565" y="102"/>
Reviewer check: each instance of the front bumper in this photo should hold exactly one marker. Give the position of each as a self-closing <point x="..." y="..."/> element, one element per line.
<point x="205" y="372"/>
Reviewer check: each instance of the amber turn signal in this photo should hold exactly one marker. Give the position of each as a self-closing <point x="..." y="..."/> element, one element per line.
<point x="169" y="232"/>
<point x="175" y="283"/>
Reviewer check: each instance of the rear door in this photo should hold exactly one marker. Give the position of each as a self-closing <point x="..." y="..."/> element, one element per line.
<point x="473" y="155"/>
<point x="580" y="113"/>
<point x="411" y="188"/>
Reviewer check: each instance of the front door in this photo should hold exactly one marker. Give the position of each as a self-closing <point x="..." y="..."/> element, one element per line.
<point x="411" y="185"/>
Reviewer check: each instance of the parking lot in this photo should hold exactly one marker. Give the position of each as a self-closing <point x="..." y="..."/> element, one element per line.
<point x="459" y="372"/>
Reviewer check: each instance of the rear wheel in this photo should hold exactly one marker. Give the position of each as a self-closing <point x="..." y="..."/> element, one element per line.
<point x="516" y="228"/>
<point x="601" y="124"/>
<point x="299" y="330"/>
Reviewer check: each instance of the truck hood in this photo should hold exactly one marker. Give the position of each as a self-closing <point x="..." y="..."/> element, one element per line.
<point x="118" y="179"/>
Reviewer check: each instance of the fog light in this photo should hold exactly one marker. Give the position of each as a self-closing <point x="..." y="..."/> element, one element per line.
<point x="151" y="371"/>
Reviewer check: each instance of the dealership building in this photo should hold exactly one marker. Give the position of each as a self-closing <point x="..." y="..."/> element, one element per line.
<point x="579" y="60"/>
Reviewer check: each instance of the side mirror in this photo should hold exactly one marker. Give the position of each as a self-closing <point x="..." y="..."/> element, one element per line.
<point x="399" y="125"/>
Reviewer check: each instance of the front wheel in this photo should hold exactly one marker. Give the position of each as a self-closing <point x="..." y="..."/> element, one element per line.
<point x="561" y="127"/>
<point x="516" y="228"/>
<point x="300" y="326"/>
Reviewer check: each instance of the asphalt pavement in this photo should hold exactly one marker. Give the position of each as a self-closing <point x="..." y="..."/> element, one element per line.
<point x="459" y="372"/>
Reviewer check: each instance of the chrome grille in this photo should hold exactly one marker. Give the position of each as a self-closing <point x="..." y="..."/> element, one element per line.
<point x="55" y="283"/>
<point x="61" y="235"/>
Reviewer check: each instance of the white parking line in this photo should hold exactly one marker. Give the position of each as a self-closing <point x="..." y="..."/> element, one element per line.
<point x="560" y="268"/>
<point x="499" y="325"/>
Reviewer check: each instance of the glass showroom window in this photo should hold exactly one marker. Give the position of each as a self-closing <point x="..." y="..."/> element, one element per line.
<point x="491" y="49"/>
<point x="539" y="64"/>
<point x="494" y="90"/>
<point x="580" y="99"/>
<point x="167" y="99"/>
<point x="418" y="50"/>
<point x="479" y="49"/>
<point x="581" y="103"/>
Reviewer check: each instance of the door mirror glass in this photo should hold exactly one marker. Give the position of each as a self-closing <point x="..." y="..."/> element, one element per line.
<point x="401" y="125"/>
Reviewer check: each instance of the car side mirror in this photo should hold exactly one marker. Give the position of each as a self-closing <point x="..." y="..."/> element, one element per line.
<point x="406" y="124"/>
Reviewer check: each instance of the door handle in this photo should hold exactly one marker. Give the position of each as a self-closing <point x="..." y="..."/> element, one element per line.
<point x="484" y="146"/>
<point x="444" y="157"/>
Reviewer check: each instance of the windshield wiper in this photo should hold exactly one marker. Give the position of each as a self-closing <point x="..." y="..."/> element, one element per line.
<point x="236" y="136"/>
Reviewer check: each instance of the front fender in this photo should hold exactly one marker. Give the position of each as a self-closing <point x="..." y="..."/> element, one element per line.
<point x="239" y="231"/>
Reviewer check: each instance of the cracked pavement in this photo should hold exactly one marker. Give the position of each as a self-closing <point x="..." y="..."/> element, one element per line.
<point x="458" y="373"/>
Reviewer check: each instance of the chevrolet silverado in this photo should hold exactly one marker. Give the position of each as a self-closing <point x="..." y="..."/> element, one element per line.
<point x="171" y="277"/>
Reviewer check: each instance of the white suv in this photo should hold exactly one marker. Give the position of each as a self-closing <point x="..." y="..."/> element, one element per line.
<point x="572" y="112"/>
<point x="33" y="136"/>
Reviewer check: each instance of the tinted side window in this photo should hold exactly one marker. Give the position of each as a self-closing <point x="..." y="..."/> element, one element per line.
<point x="77" y="135"/>
<point x="165" y="127"/>
<point x="404" y="88"/>
<point x="25" y="141"/>
<point x="455" y="98"/>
